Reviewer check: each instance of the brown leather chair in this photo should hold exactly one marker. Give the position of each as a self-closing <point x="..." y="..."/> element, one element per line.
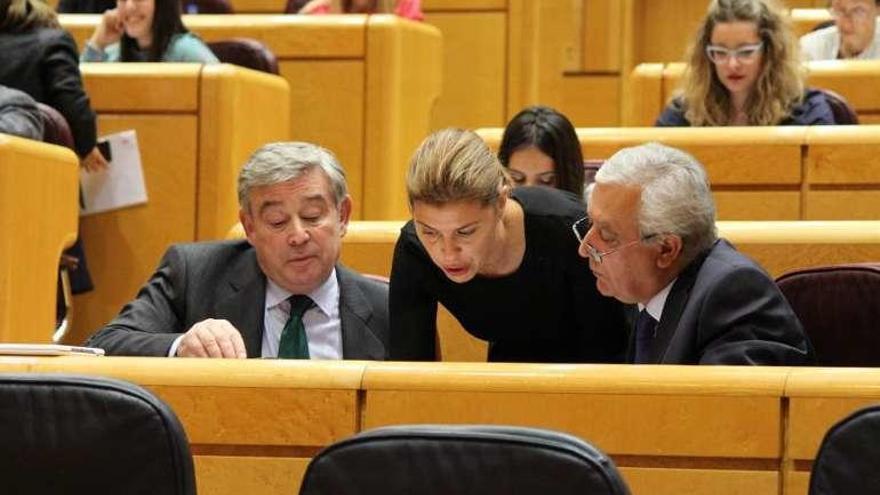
<point x="839" y="307"/>
<point x="844" y="114"/>
<point x="245" y="52"/>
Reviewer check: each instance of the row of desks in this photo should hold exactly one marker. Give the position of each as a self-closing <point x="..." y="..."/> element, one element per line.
<point x="253" y="425"/>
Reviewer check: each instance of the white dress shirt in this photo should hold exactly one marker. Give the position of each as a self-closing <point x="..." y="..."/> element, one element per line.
<point x="658" y="302"/>
<point x="824" y="44"/>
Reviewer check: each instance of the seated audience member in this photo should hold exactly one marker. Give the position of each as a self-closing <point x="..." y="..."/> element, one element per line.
<point x="19" y="114"/>
<point x="280" y="293"/>
<point x="502" y="261"/>
<point x="744" y="69"/>
<point x="39" y="58"/>
<point x="853" y="34"/>
<point x="409" y="9"/>
<point x="541" y="148"/>
<point x="85" y="6"/>
<point x="145" y="31"/>
<point x="650" y="238"/>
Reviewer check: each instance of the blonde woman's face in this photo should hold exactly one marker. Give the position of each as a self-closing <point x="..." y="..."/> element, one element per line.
<point x="737" y="71"/>
<point x="459" y="235"/>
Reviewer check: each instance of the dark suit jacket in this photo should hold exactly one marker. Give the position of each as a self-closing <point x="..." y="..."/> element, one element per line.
<point x="223" y="280"/>
<point x="44" y="63"/>
<point x="724" y="309"/>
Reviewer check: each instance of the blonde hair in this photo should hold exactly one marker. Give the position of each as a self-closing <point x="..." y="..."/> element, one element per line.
<point x="454" y="165"/>
<point x="779" y="85"/>
<point x="24" y="15"/>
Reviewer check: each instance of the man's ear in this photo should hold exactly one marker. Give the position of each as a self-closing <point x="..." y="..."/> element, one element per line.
<point x="670" y="250"/>
<point x="344" y="215"/>
<point x="247" y="222"/>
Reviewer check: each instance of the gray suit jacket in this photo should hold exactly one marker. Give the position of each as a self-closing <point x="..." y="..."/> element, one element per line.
<point x="724" y="309"/>
<point x="19" y="114"/>
<point x="223" y="280"/>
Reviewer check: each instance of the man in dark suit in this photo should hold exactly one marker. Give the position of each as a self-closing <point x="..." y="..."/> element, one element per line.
<point x="650" y="238"/>
<point x="280" y="293"/>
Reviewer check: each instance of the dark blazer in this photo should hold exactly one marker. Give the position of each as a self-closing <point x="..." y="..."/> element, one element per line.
<point x="724" y="309"/>
<point x="44" y="63"/>
<point x="813" y="110"/>
<point x="223" y="280"/>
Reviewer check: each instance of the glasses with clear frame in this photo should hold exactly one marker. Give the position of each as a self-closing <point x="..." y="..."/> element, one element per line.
<point x="582" y="227"/>
<point x="746" y="54"/>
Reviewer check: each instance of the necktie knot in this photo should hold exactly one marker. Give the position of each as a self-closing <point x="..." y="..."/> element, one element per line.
<point x="299" y="304"/>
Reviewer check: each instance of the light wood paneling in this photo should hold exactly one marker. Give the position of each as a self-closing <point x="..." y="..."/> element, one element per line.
<point x="591" y="100"/>
<point x="227" y="475"/>
<point x="666" y="481"/>
<point x="38" y="219"/>
<point x="804" y="19"/>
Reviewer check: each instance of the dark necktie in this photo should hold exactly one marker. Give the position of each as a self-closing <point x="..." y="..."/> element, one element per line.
<point x="645" y="326"/>
<point x="294" y="344"/>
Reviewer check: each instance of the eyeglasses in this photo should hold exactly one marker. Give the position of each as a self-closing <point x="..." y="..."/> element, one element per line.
<point x="582" y="227"/>
<point x="745" y="55"/>
<point x="854" y="14"/>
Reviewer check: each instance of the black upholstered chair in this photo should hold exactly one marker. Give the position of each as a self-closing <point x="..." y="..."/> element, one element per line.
<point x="76" y="434"/>
<point x="464" y="460"/>
<point x="849" y="456"/>
<point x="245" y="52"/>
<point x="839" y="307"/>
<point x="844" y="114"/>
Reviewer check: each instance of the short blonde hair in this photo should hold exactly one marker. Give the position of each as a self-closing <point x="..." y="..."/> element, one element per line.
<point x="454" y="165"/>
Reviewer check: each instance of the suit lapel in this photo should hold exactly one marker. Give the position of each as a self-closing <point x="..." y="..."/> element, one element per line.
<point x="358" y="340"/>
<point x="242" y="301"/>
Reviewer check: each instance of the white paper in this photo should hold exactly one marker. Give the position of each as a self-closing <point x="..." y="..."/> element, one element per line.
<point x="122" y="184"/>
<point x="48" y="350"/>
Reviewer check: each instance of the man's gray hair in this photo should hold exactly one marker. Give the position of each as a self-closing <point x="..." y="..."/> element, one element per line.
<point x="283" y="161"/>
<point x="676" y="198"/>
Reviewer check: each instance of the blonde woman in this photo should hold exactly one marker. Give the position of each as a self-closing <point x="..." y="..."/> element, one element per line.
<point x="744" y="69"/>
<point x="503" y="261"/>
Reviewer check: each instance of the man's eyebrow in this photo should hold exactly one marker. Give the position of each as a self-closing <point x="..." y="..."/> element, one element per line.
<point x="268" y="204"/>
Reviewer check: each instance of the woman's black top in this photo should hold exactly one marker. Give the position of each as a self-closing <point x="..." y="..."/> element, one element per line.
<point x="548" y="310"/>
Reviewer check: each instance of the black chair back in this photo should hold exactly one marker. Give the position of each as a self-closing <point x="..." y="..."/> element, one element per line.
<point x="245" y="52"/>
<point x="78" y="434"/>
<point x="464" y="460"/>
<point x="849" y="456"/>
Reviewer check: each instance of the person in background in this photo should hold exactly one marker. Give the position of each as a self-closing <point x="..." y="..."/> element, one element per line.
<point x="145" y="31"/>
<point x="501" y="260"/>
<point x="541" y="148"/>
<point x="650" y="238"/>
<point x="744" y="69"/>
<point x="19" y="114"/>
<point x="853" y="35"/>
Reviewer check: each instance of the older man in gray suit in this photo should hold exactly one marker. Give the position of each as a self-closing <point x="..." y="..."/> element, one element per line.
<point x="281" y="293"/>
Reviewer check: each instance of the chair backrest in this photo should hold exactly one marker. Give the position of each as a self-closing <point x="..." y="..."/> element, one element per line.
<point x="78" y="434"/>
<point x="844" y="114"/>
<point x="206" y="7"/>
<point x="839" y="308"/>
<point x="465" y="460"/>
<point x="55" y="127"/>
<point x="849" y="456"/>
<point x="245" y="52"/>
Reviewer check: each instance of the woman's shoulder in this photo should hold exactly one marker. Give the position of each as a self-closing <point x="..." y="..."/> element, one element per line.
<point x="187" y="47"/>
<point x="813" y="109"/>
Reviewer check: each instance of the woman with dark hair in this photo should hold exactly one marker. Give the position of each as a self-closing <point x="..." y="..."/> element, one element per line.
<point x="145" y="31"/>
<point x="540" y="148"/>
<point x="744" y="69"/>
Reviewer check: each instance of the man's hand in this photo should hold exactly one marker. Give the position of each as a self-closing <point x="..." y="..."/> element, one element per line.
<point x="212" y="338"/>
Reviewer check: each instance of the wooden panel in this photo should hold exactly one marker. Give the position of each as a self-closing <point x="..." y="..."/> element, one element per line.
<point x="843" y="155"/>
<point x="464" y="5"/>
<point x="474" y="63"/>
<point x="591" y="100"/>
<point x="854" y="79"/>
<point x="757" y="205"/>
<point x="666" y="28"/>
<point x="225" y="475"/>
<point x="164" y="88"/>
<point x="601" y="36"/>
<point x="335" y="122"/>
<point x="234" y="102"/>
<point x="403" y="84"/>
<point x="666" y="481"/>
<point x="38" y="218"/>
<point x="842" y="205"/>
<point x="797" y="483"/>
<point x="124" y="246"/>
<point x="644" y="96"/>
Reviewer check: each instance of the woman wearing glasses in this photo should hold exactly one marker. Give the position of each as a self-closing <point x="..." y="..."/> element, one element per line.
<point x="504" y="262"/>
<point x="744" y="69"/>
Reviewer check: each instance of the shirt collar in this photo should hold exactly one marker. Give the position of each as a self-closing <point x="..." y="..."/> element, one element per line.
<point x="325" y="296"/>
<point x="656" y="304"/>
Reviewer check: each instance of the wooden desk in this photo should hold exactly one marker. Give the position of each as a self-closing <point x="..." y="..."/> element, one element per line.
<point x="805" y="19"/>
<point x="195" y="131"/>
<point x="737" y="160"/>
<point x="39" y="190"/>
<point x="362" y="86"/>
<point x="252" y="425"/>
<point x="842" y="169"/>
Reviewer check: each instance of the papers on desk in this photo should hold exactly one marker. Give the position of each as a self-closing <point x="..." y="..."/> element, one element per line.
<point x="48" y="350"/>
<point x="122" y="184"/>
